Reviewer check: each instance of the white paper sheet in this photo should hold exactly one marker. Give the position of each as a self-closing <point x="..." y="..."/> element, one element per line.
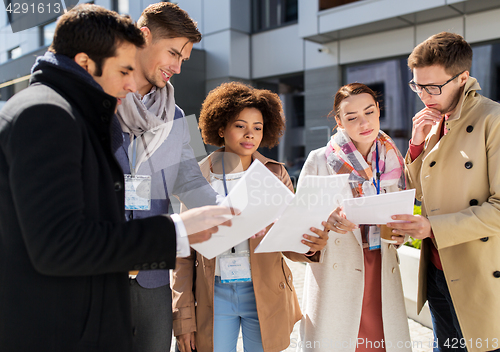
<point x="378" y="209"/>
<point x="316" y="198"/>
<point x="261" y="197"/>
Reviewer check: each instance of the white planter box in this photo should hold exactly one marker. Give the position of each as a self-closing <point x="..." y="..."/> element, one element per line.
<point x="409" y="259"/>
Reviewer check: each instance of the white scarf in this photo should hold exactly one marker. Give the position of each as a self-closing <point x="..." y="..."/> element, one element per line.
<point x="151" y="122"/>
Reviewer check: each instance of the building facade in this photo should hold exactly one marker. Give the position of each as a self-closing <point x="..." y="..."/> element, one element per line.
<point x="304" y="50"/>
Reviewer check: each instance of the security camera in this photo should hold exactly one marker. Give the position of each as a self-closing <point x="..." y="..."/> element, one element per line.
<point x="323" y="50"/>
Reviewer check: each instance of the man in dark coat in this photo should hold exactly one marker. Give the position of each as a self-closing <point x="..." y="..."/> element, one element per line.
<point x="65" y="248"/>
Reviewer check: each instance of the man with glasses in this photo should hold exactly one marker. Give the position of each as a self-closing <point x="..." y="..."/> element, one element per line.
<point x="453" y="164"/>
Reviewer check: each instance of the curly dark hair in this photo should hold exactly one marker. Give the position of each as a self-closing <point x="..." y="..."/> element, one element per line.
<point x="224" y="103"/>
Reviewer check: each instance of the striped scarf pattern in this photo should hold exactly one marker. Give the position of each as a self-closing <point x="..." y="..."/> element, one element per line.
<point x="344" y="158"/>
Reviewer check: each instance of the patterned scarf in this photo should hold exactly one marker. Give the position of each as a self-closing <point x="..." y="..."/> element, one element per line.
<point x="344" y="158"/>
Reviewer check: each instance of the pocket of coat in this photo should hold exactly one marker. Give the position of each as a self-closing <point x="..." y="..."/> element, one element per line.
<point x="287" y="274"/>
<point x="90" y="333"/>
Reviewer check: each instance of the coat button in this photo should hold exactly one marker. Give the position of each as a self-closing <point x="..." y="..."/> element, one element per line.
<point x="154" y="266"/>
<point x="196" y="263"/>
<point x="473" y="202"/>
<point x="496" y="274"/>
<point x="393" y="270"/>
<point x="118" y="186"/>
<point x="337" y="241"/>
<point x="432" y="163"/>
<point x="335" y="266"/>
<point x="485" y="239"/>
<point x="289" y="278"/>
<point x="163" y="265"/>
<point x="105" y="118"/>
<point x="469" y="129"/>
<point x="137" y="267"/>
<point x="106" y="103"/>
<point x="282" y="285"/>
<point x="468" y="165"/>
<point x="145" y="266"/>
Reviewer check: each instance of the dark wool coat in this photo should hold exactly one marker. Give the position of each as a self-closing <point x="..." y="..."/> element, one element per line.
<point x="65" y="248"/>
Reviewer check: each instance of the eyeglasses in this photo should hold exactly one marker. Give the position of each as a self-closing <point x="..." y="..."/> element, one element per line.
<point x="432" y="89"/>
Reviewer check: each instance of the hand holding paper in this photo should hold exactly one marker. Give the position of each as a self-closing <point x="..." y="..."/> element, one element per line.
<point x="316" y="197"/>
<point x="416" y="226"/>
<point x="338" y="222"/>
<point x="261" y="197"/>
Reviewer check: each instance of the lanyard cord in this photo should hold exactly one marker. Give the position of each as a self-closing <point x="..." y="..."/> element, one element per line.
<point x="224" y="176"/>
<point x="377" y="184"/>
<point x="134" y="156"/>
<point x="233" y="250"/>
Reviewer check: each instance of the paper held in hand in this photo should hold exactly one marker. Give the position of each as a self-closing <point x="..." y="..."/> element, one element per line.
<point x="260" y="197"/>
<point x="316" y="198"/>
<point x="378" y="209"/>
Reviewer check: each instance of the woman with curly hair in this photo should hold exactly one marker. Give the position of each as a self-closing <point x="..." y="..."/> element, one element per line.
<point x="209" y="305"/>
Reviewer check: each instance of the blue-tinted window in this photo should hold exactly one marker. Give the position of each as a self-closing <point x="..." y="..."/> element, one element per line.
<point x="268" y="14"/>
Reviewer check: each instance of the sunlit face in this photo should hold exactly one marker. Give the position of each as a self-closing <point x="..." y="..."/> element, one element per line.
<point x="242" y="136"/>
<point x="160" y="59"/>
<point x="117" y="79"/>
<point x="447" y="101"/>
<point x="359" y="116"/>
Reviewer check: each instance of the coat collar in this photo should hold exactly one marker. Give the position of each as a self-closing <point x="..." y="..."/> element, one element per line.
<point x="470" y="87"/>
<point x="205" y="163"/>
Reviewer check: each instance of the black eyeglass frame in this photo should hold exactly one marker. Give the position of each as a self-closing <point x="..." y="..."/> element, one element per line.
<point x="424" y="86"/>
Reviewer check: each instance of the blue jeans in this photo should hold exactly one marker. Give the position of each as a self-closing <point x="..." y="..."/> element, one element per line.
<point x="447" y="332"/>
<point x="234" y="306"/>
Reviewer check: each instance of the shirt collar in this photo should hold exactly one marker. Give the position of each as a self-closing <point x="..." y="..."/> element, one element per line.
<point x="148" y="96"/>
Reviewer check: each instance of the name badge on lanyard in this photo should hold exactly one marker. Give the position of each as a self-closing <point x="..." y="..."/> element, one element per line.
<point x="137" y="187"/>
<point x="235" y="268"/>
<point x="374" y="237"/>
<point x="137" y="192"/>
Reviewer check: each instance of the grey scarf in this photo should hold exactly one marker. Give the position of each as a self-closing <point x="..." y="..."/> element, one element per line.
<point x="150" y="123"/>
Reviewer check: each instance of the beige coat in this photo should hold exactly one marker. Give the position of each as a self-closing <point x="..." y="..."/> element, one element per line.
<point x="333" y="289"/>
<point x="457" y="179"/>
<point x="277" y="305"/>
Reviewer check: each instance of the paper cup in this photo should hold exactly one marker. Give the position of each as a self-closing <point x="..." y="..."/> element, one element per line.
<point x="386" y="234"/>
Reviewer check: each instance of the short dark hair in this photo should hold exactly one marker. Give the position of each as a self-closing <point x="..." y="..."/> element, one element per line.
<point x="445" y="49"/>
<point x="167" y="20"/>
<point x="224" y="103"/>
<point x="350" y="90"/>
<point x="95" y="31"/>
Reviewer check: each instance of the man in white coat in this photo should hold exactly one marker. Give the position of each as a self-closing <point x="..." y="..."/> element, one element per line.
<point x="453" y="164"/>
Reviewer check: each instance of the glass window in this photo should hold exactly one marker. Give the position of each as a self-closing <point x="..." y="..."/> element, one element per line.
<point x="121" y="6"/>
<point x="47" y="33"/>
<point x="328" y="4"/>
<point x="13" y="54"/>
<point x="268" y="14"/>
<point x="398" y="104"/>
<point x="486" y="69"/>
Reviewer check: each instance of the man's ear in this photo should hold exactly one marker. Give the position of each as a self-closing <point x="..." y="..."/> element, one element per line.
<point x="148" y="36"/>
<point x="85" y="62"/>
<point x="463" y="78"/>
